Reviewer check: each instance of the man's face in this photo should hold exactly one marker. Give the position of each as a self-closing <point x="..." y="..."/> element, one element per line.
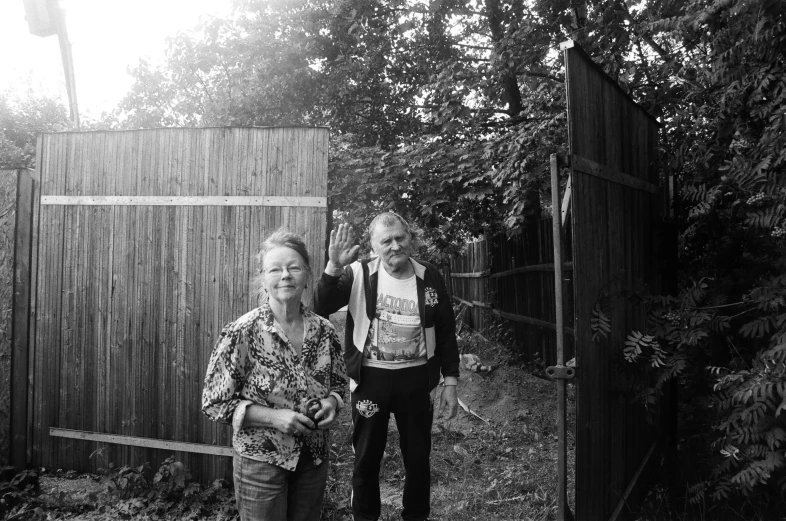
<point x="393" y="245"/>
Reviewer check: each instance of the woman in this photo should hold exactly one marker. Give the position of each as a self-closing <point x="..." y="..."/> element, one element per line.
<point x="278" y="376"/>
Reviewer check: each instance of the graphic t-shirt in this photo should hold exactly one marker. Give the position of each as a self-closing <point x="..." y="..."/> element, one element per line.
<point x="395" y="339"/>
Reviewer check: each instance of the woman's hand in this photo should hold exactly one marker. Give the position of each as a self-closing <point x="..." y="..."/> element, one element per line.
<point x="326" y="415"/>
<point x="291" y="422"/>
<point x="342" y="248"/>
<point x="285" y="421"/>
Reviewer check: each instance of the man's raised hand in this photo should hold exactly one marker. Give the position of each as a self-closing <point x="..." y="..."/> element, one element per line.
<point x="342" y="248"/>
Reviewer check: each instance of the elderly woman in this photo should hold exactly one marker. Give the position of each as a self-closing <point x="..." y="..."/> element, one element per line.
<point x="278" y="376"/>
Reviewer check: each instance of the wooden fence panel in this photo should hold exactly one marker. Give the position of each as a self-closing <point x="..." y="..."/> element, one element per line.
<point x="133" y="290"/>
<point x="615" y="209"/>
<point x="16" y="205"/>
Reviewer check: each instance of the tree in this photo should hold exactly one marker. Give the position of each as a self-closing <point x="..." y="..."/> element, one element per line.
<point x="438" y="109"/>
<point x="22" y="117"/>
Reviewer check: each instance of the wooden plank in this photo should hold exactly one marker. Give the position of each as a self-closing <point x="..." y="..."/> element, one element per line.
<point x="615" y="176"/>
<point x="470" y="275"/>
<point x="152" y="200"/>
<point x="529" y="320"/>
<point x="21" y="319"/>
<point x="137" y="441"/>
<point x="548" y="267"/>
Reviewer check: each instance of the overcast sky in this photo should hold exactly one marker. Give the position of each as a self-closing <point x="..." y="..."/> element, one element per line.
<point x="107" y="36"/>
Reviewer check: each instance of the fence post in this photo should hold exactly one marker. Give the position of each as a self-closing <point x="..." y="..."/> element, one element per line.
<point x="563" y="510"/>
<point x="16" y="199"/>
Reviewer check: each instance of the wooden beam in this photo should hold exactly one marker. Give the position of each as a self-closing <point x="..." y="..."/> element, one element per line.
<point x="150" y="443"/>
<point x="154" y="200"/>
<point x="465" y="302"/>
<point x="470" y="275"/>
<point x="633" y="482"/>
<point x="527" y="269"/>
<point x="590" y="167"/>
<point x="530" y="320"/>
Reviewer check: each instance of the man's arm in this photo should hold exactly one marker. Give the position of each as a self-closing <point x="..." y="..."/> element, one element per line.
<point x="335" y="284"/>
<point x="445" y="332"/>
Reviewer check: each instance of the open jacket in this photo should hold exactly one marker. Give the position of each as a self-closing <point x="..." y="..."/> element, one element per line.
<point x="356" y="288"/>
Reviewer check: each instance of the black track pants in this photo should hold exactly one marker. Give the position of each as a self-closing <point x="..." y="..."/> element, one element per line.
<point x="403" y="393"/>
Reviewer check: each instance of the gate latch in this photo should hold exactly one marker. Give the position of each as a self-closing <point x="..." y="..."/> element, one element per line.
<point x="561" y="372"/>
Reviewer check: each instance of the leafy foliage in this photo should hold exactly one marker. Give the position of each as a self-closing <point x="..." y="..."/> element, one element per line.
<point x="22" y="117"/>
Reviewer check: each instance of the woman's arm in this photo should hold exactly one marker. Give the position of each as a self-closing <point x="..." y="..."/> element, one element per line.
<point x="338" y="384"/>
<point x="286" y="421"/>
<point x="225" y="376"/>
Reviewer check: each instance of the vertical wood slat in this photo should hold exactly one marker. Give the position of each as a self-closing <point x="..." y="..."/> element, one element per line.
<point x="155" y="284"/>
<point x="25" y="198"/>
<point x="16" y="194"/>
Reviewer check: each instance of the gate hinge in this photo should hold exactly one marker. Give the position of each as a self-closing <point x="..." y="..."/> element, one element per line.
<point x="561" y="372"/>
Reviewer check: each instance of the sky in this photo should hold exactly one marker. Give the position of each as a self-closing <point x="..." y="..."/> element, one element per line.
<point x="107" y="37"/>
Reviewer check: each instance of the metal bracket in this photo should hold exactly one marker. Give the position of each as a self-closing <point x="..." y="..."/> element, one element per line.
<point x="561" y="372"/>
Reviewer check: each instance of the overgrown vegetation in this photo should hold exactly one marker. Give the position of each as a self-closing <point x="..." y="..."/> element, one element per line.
<point x="446" y="111"/>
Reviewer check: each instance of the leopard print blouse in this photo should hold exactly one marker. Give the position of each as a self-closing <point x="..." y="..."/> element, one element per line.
<point x="254" y="363"/>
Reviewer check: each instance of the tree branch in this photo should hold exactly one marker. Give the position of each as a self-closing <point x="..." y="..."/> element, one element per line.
<point x="643" y="35"/>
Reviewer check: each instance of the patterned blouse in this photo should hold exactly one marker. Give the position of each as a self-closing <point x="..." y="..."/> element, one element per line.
<point x="254" y="363"/>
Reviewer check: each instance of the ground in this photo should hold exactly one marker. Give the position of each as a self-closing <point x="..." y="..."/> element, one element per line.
<point x="502" y="466"/>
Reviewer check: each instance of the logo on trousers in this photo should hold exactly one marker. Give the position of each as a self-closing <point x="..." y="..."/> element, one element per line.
<point x="367" y="408"/>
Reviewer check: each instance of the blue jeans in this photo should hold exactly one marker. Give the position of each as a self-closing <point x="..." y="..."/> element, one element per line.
<point x="266" y="492"/>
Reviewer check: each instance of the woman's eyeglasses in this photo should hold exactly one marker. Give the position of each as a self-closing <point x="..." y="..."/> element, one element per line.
<point x="278" y="271"/>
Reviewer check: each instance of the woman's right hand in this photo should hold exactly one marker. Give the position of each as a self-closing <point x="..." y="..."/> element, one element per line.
<point x="342" y="248"/>
<point x="291" y="422"/>
<point x="285" y="421"/>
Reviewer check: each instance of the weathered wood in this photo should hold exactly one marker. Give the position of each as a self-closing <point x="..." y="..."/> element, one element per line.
<point x="530" y="320"/>
<point x="138" y="293"/>
<point x="152" y="200"/>
<point x="528" y="269"/>
<point x="471" y="275"/>
<point x="562" y="447"/>
<point x="8" y="197"/>
<point x="591" y="167"/>
<point x="136" y="441"/>
<point x="614" y="183"/>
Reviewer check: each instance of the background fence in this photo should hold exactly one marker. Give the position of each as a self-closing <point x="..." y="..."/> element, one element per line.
<point x="146" y="249"/>
<point x="512" y="279"/>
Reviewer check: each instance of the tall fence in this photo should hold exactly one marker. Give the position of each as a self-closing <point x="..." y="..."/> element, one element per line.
<point x="614" y="204"/>
<point x="146" y="244"/>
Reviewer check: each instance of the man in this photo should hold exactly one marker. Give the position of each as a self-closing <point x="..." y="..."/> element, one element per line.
<point x="400" y="336"/>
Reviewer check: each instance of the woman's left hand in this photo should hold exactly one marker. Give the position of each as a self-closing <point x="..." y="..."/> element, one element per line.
<point x="327" y="414"/>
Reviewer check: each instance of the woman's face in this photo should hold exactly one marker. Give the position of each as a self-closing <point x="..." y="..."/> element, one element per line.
<point x="284" y="275"/>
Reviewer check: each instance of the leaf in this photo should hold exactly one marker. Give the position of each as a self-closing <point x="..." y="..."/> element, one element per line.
<point x="461" y="451"/>
<point x="600" y="324"/>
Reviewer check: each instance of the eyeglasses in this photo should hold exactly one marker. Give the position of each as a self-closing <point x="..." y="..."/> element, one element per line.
<point x="278" y="271"/>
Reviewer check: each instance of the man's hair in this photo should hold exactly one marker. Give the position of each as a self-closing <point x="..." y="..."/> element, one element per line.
<point x="389" y="219"/>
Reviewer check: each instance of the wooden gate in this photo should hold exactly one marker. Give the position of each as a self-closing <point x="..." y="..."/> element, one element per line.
<point x="145" y="250"/>
<point x="616" y="211"/>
